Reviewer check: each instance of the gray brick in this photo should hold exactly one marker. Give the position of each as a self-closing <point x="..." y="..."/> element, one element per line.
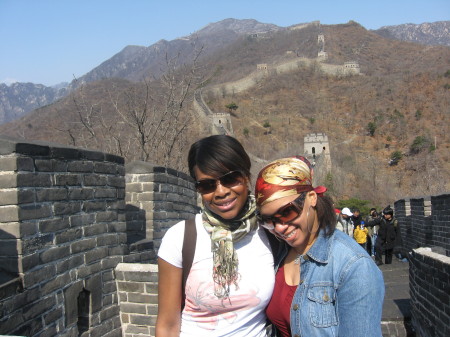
<point x="108" y="168"/>
<point x="51" y="194"/>
<point x="8" y="163"/>
<point x="54" y="253"/>
<point x="140" y="320"/>
<point x="68" y="235"/>
<point x="9" y="213"/>
<point x="67" y="179"/>
<point x="66" y="208"/>
<point x="94" y="206"/>
<point x="82" y="245"/>
<point x="116" y="181"/>
<point x="81" y="220"/>
<point x="107" y="216"/>
<point x="95" y="180"/>
<point x="29" y="262"/>
<point x="133" y="308"/>
<point x="37" y="243"/>
<point x="94" y="229"/>
<point x="139" y="298"/>
<point x="44" y="165"/>
<point x="8" y="197"/>
<point x="107" y="240"/>
<point x="38" y="275"/>
<point x="131" y="287"/>
<point x="96" y="254"/>
<point x="80" y="166"/>
<point x="53" y="225"/>
<point x="105" y="193"/>
<point x="59" y="282"/>
<point x="34" y="180"/>
<point x="34" y="211"/>
<point x="26" y="196"/>
<point x="8" y="180"/>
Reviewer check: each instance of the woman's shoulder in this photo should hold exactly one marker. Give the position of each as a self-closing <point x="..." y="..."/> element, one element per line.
<point x="345" y="245"/>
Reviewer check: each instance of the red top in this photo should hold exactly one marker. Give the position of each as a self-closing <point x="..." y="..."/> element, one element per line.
<point x="279" y="309"/>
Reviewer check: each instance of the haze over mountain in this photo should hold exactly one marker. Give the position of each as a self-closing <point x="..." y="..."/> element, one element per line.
<point x="137" y="62"/>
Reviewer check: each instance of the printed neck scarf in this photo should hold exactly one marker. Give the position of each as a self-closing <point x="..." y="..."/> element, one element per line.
<point x="223" y="235"/>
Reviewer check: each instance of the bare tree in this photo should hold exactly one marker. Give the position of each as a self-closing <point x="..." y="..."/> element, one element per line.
<point x="156" y="112"/>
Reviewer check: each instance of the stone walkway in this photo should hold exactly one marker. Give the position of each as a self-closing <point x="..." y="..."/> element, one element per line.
<point x="396" y="317"/>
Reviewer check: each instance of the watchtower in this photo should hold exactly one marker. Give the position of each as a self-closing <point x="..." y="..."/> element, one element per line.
<point x="316" y="145"/>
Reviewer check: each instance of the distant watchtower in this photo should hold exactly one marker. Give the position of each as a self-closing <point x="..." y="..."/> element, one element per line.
<point x="316" y="146"/>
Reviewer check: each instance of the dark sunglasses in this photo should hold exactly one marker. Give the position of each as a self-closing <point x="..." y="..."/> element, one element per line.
<point x="228" y="180"/>
<point x="285" y="214"/>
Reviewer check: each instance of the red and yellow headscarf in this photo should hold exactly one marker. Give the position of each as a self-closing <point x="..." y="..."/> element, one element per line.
<point x="285" y="177"/>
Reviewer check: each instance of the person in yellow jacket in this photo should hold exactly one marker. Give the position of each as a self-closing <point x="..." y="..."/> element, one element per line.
<point x="360" y="234"/>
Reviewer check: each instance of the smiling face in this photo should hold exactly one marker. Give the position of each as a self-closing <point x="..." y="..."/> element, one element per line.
<point x="295" y="233"/>
<point x="225" y="202"/>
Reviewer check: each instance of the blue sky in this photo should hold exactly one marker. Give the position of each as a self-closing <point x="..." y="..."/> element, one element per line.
<point x="48" y="42"/>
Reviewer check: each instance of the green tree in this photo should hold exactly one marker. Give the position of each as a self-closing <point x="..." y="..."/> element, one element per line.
<point x="231" y="107"/>
<point x="245" y="132"/>
<point x="267" y="125"/>
<point x="371" y="127"/>
<point x="419" y="143"/>
<point x="395" y="157"/>
<point x="352" y="203"/>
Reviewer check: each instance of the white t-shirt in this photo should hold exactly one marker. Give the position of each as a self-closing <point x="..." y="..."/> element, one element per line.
<point x="242" y="314"/>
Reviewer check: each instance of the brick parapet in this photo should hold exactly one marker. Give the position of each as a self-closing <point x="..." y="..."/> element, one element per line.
<point x="429" y="275"/>
<point x="137" y="287"/>
<point x="425" y="230"/>
<point x="157" y="198"/>
<point x="62" y="232"/>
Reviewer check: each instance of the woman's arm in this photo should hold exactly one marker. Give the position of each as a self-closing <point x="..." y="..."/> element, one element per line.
<point x="168" y="322"/>
<point x="360" y="299"/>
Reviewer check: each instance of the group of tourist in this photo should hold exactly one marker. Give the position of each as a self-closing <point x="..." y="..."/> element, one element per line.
<point x="378" y="234"/>
<point x="268" y="263"/>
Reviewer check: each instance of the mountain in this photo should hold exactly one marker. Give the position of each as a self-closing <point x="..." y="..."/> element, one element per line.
<point x="398" y="103"/>
<point x="435" y="33"/>
<point x="17" y="99"/>
<point x="136" y="63"/>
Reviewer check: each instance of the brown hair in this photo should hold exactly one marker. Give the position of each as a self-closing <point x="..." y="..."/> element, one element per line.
<point x="325" y="214"/>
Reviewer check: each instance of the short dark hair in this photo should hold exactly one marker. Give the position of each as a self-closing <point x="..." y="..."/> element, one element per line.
<point x="388" y="210"/>
<point x="217" y="155"/>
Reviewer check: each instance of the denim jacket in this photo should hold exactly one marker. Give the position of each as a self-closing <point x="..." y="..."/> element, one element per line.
<point x="341" y="290"/>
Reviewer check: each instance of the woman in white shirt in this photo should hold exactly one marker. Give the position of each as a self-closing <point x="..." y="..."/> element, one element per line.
<point x="232" y="277"/>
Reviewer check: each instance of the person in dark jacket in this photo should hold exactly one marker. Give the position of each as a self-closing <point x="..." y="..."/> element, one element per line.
<point x="388" y="234"/>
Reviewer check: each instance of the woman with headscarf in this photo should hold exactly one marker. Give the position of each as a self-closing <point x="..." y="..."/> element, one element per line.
<point x="326" y="284"/>
<point x="232" y="275"/>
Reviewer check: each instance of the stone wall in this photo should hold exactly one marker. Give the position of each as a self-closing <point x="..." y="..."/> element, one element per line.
<point x="425" y="228"/>
<point x="425" y="222"/>
<point x="65" y="226"/>
<point x="137" y="286"/>
<point x="156" y="199"/>
<point x="62" y="233"/>
<point x="429" y="280"/>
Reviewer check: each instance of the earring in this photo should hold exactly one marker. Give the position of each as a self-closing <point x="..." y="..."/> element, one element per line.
<point x="307" y="219"/>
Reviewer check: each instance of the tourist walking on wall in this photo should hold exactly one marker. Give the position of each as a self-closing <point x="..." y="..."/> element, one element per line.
<point x="323" y="276"/>
<point x="360" y="235"/>
<point x="387" y="236"/>
<point x="345" y="219"/>
<point x="232" y="275"/>
<point x="372" y="231"/>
